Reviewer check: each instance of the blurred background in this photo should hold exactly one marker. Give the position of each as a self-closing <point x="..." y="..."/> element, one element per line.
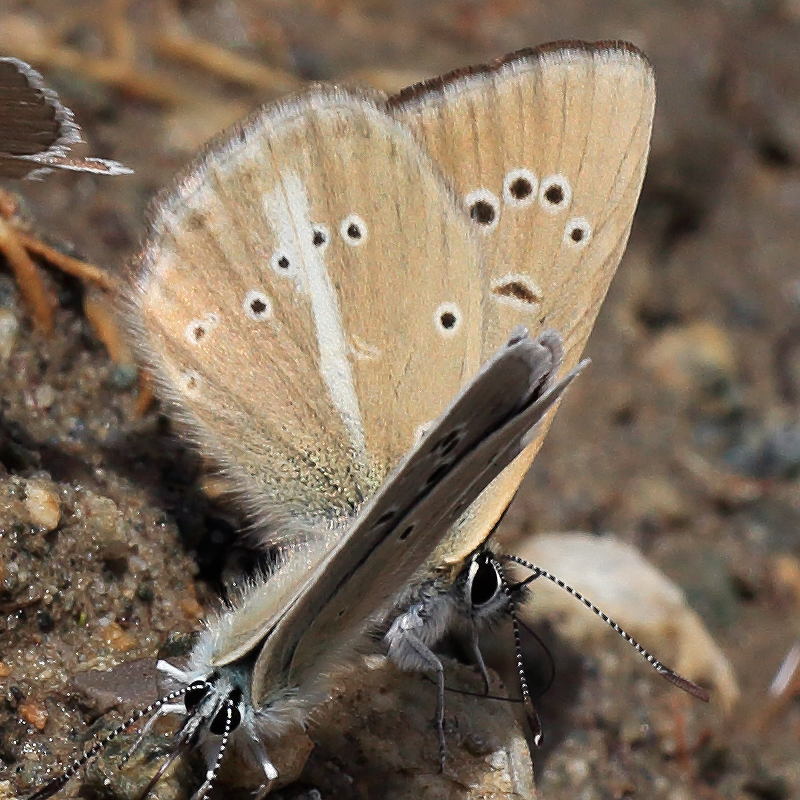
<point x="682" y="440"/>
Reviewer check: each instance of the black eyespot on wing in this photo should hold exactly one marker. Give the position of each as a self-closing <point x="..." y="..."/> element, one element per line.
<point x="353" y="230"/>
<point x="577" y="232"/>
<point x="554" y="194"/>
<point x="257" y="306"/>
<point x="283" y="262"/>
<point x="406" y="533"/>
<point x="520" y="188"/>
<point x="447" y="319"/>
<point x="482" y="212"/>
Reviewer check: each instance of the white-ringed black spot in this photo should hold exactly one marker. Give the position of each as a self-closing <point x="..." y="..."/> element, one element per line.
<point x="483" y="209"/>
<point x="191" y="382"/>
<point x="353" y="230"/>
<point x="577" y="233"/>
<point x="281" y="263"/>
<point x="320" y="236"/>
<point x="555" y="193"/>
<point x="447" y="319"/>
<point x="482" y="212"/>
<point x="257" y="306"/>
<point x="520" y="187"/>
<point x="197" y="330"/>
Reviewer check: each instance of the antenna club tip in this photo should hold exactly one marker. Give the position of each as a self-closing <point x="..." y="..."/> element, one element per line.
<point x="690" y="687"/>
<point x="534" y="722"/>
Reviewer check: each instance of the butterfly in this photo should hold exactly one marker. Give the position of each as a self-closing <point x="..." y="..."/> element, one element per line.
<point x="315" y="290"/>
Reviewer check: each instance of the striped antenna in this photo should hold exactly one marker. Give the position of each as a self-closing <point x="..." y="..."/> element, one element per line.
<point x="677" y="680"/>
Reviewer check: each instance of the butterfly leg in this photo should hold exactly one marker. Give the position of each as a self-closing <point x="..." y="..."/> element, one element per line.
<point x="172" y="708"/>
<point x="475" y="646"/>
<point x="256" y="754"/>
<point x="409" y="650"/>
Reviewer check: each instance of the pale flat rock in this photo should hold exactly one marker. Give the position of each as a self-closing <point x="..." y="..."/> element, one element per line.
<point x="636" y="595"/>
<point x="377" y="736"/>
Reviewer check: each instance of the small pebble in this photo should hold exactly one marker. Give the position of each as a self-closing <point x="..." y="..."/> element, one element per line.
<point x="34" y="713"/>
<point x="124" y="376"/>
<point x="689" y="359"/>
<point x="117" y="638"/>
<point x="44" y="396"/>
<point x="191" y="608"/>
<point x="478" y="745"/>
<point x="41" y="503"/>
<point x="578" y="769"/>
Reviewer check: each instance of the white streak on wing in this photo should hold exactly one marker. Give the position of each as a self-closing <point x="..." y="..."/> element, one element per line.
<point x="290" y="216"/>
<point x="284" y="231"/>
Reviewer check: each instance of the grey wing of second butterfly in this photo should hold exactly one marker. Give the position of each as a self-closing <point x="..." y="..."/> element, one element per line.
<point x="36" y="129"/>
<point x="481" y="432"/>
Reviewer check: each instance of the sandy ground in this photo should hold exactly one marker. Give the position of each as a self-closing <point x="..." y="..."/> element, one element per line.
<point x="682" y="439"/>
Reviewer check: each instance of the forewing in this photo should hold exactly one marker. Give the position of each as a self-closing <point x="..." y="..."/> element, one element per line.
<point x="309" y="296"/>
<point x="546" y="150"/>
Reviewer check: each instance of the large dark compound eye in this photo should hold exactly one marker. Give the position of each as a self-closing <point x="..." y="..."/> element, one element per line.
<point x="220" y="720"/>
<point x="195" y="694"/>
<point x="485" y="582"/>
